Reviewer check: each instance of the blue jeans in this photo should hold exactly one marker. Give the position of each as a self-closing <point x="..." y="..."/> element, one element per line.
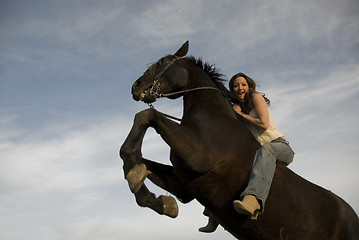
<point x="264" y="166"/>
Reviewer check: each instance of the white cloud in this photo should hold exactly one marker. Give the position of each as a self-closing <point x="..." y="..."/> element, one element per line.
<point x="47" y="174"/>
<point x="165" y="23"/>
<point x="320" y="120"/>
<point x="280" y="21"/>
<point x="59" y="156"/>
<point x="332" y="96"/>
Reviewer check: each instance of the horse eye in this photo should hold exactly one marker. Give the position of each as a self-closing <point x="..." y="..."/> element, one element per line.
<point x="150" y="67"/>
<point x="162" y="60"/>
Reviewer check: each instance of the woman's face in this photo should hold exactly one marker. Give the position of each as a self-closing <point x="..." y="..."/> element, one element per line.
<point x="240" y="87"/>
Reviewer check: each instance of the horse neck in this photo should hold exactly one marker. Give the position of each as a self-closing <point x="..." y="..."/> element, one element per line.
<point x="205" y="100"/>
<point x="205" y="110"/>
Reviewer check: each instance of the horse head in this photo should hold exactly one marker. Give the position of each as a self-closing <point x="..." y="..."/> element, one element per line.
<point x="161" y="78"/>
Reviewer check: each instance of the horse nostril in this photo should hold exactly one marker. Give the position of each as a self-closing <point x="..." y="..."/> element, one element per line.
<point x="136" y="84"/>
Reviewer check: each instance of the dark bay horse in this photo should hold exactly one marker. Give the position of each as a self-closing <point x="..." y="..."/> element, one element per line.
<point x="212" y="152"/>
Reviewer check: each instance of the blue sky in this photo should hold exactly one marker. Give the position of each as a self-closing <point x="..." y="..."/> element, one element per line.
<point x="66" y="68"/>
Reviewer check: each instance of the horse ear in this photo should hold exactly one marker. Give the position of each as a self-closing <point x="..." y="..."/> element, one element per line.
<point x="183" y="50"/>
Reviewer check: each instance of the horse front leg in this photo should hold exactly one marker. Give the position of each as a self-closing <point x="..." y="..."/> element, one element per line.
<point x="136" y="171"/>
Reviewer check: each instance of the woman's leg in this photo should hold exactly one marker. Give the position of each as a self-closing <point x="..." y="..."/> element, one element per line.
<point x="263" y="170"/>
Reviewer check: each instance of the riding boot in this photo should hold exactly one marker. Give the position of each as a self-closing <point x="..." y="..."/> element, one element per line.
<point x="247" y="206"/>
<point x="211" y="225"/>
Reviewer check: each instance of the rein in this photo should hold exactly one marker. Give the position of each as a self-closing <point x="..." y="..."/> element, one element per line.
<point x="164" y="114"/>
<point x="161" y="95"/>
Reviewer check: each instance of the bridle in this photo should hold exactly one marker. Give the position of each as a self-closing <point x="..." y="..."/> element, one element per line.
<point x="154" y="91"/>
<point x="156" y="81"/>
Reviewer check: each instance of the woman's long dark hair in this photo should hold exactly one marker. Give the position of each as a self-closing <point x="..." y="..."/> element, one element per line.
<point x="247" y="103"/>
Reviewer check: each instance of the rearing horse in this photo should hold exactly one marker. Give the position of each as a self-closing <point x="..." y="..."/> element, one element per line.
<point x="212" y="152"/>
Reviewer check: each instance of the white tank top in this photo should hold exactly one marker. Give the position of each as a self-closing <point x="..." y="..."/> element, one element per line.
<point x="264" y="136"/>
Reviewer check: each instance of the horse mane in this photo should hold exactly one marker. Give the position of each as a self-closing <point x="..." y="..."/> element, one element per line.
<point x="214" y="73"/>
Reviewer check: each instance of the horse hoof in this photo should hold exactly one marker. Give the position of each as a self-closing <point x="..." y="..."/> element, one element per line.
<point x="170" y="207"/>
<point x="136" y="177"/>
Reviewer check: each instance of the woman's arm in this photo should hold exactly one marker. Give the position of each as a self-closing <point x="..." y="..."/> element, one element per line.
<point x="260" y="106"/>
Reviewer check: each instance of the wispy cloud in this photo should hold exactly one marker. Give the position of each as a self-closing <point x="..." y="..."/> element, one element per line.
<point x="319" y="119"/>
<point x="59" y="155"/>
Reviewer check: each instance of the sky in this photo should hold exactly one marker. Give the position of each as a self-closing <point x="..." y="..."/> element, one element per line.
<point x="66" y="70"/>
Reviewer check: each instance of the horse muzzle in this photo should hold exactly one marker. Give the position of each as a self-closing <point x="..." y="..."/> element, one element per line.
<point x="144" y="91"/>
<point x="145" y="96"/>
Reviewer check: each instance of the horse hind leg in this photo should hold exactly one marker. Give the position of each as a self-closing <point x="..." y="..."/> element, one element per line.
<point x="164" y="177"/>
<point x="164" y="205"/>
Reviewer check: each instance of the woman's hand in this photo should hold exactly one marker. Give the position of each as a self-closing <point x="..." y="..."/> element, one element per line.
<point x="238" y="109"/>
